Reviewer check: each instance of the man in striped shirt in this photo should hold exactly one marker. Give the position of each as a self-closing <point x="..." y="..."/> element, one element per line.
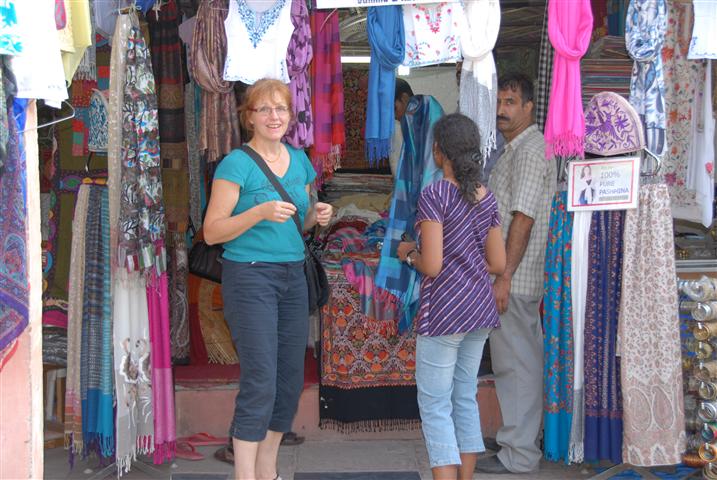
<point x="523" y="182"/>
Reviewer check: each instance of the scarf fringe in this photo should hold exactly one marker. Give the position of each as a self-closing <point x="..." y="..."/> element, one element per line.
<point x="384" y="425"/>
<point x="164" y="451"/>
<point x="377" y="149"/>
<point x="124" y="463"/>
<point x="145" y="444"/>
<point x="104" y="445"/>
<point x="75" y="446"/>
<point x="566" y="146"/>
<point x="576" y="453"/>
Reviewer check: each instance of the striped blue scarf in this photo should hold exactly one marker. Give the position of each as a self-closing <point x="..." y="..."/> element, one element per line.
<point x="416" y="170"/>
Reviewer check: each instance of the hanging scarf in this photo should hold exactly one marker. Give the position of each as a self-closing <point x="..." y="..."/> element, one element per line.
<point x="570" y="25"/>
<point x="219" y="128"/>
<point x="327" y="89"/>
<point x="479" y="81"/>
<point x="417" y="170"/>
<point x="384" y="26"/>
<point x="96" y="379"/>
<point x="133" y="377"/>
<point x="14" y="280"/>
<point x="579" y="284"/>
<point x="649" y="335"/>
<point x="558" y="342"/>
<point x="700" y="166"/>
<point x="644" y="36"/>
<point x="162" y="385"/>
<point x="704" y="34"/>
<point x="603" y="396"/>
<point x="298" y="57"/>
<point x="76" y="285"/>
<point x="87" y="69"/>
<point x="545" y="79"/>
<point x="433" y="33"/>
<point x="141" y="210"/>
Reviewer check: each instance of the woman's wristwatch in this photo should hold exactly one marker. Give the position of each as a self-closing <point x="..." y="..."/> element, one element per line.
<point x="409" y="260"/>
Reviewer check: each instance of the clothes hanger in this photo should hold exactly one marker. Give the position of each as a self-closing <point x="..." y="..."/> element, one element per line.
<point x="57" y="120"/>
<point x="655" y="163"/>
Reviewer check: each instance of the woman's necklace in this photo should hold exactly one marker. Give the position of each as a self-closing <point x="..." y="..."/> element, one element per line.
<point x="266" y="157"/>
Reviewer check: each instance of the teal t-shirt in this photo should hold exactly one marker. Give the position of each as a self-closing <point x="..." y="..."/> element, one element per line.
<point x="267" y="241"/>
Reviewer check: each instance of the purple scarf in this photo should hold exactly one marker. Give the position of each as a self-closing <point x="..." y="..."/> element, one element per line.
<point x="298" y="58"/>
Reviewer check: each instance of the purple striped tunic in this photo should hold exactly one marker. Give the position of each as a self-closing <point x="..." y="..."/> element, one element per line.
<point x="460" y="299"/>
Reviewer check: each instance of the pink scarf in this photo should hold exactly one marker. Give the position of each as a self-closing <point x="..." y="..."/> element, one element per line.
<point x="570" y="25"/>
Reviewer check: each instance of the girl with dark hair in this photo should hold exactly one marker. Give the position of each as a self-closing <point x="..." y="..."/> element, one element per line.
<point x="461" y="244"/>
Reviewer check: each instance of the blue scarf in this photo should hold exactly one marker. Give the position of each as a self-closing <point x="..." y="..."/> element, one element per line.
<point x="416" y="170"/>
<point x="386" y="38"/>
<point x="558" y="325"/>
<point x="644" y="35"/>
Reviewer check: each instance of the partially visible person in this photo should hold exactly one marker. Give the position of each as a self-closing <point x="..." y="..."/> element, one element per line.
<point x="587" y="186"/>
<point x="461" y="243"/>
<point x="523" y="182"/>
<point x="263" y="281"/>
<point x="403" y="94"/>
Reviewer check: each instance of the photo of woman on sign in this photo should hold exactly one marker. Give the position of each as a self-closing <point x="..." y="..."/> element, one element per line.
<point x="587" y="186"/>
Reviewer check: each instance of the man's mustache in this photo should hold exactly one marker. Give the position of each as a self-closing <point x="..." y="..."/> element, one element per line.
<point x="499" y="117"/>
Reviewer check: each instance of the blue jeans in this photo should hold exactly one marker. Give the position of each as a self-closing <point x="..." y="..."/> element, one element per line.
<point x="447" y="381"/>
<point x="267" y="309"/>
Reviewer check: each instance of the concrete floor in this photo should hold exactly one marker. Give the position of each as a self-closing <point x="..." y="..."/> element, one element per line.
<point x="328" y="455"/>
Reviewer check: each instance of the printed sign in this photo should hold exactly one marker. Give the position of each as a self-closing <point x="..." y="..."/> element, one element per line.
<point x="603" y="184"/>
<point x="369" y="3"/>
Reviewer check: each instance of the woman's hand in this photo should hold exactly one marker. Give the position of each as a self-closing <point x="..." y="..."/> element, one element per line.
<point x="404" y="248"/>
<point x="277" y="211"/>
<point x="324" y="212"/>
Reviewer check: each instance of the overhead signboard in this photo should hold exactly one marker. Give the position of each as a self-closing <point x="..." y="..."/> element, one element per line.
<point x="369" y="3"/>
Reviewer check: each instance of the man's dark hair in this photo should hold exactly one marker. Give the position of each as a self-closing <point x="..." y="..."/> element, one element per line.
<point x="518" y="82"/>
<point x="402" y="87"/>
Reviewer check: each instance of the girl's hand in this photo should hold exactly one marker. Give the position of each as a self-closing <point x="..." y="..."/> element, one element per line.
<point x="324" y="212"/>
<point x="403" y="249"/>
<point x="277" y="211"/>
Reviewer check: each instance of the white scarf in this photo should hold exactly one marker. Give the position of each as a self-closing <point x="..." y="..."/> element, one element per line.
<point x="479" y="81"/>
<point x="700" y="166"/>
<point x="704" y="35"/>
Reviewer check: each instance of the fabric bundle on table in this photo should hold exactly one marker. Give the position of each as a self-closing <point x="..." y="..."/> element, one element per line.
<point x="417" y="169"/>
<point x="557" y="323"/>
<point x="570" y="25"/>
<point x="327" y="95"/>
<point x="649" y="335"/>
<point x="298" y="58"/>
<point x="644" y="36"/>
<point x="479" y="81"/>
<point x="386" y="38"/>
<point x="219" y="128"/>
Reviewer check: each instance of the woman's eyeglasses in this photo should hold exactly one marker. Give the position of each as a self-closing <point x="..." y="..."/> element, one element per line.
<point x="281" y="110"/>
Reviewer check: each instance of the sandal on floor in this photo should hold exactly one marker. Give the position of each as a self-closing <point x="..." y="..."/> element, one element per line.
<point x="203" y="439"/>
<point x="291" y="439"/>
<point x="186" y="451"/>
<point x="224" y="454"/>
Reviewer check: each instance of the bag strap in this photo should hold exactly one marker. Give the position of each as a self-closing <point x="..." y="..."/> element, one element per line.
<point x="254" y="155"/>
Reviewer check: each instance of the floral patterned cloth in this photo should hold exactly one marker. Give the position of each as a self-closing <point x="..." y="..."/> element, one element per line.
<point x="432" y="33"/>
<point x="649" y="336"/>
<point x="557" y="324"/>
<point x="682" y="76"/>
<point x="141" y="208"/>
<point x="10" y="40"/>
<point x="612" y="126"/>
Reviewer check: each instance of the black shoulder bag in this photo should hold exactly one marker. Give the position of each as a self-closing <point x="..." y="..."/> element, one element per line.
<point x="205" y="260"/>
<point x="315" y="275"/>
